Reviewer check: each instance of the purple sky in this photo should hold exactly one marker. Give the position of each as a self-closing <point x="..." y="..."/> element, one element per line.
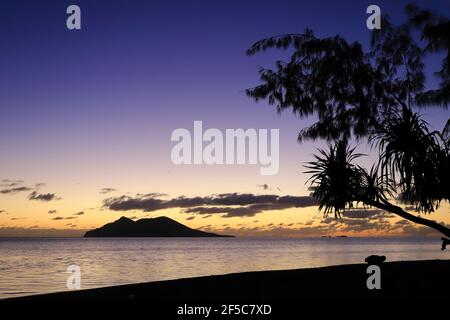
<point x="95" y="108"/>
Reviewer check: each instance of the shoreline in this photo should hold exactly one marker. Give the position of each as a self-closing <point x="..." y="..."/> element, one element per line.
<point x="402" y="280"/>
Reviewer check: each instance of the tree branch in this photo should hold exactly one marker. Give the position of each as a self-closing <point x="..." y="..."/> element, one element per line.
<point x="408" y="216"/>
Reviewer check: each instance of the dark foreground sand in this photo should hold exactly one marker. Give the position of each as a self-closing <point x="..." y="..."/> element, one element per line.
<point x="421" y="280"/>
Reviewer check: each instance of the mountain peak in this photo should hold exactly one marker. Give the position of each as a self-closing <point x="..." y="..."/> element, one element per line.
<point x="124" y="219"/>
<point x="154" y="227"/>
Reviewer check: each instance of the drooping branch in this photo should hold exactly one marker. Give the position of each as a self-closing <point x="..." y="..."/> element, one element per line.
<point x="405" y="215"/>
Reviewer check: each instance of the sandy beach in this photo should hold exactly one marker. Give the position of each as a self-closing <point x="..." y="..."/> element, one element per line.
<point x="416" y="280"/>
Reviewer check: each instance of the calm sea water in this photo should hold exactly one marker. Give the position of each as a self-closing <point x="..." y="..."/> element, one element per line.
<point x="31" y="266"/>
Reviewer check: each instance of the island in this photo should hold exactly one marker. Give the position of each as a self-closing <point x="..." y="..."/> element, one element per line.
<point x="151" y="227"/>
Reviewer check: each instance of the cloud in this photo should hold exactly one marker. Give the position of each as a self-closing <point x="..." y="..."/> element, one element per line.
<point x="79" y="213"/>
<point x="364" y="213"/>
<point x="266" y="187"/>
<point x="125" y="203"/>
<point x="243" y="211"/>
<point x="226" y="204"/>
<point x="107" y="190"/>
<point x="361" y="225"/>
<point x="413" y="230"/>
<point x="7" y="183"/>
<point x="15" y="190"/>
<point x="52" y="211"/>
<point x="38" y="232"/>
<point x="63" y="218"/>
<point x="410" y="208"/>
<point x="42" y="196"/>
<point x="328" y="226"/>
<point x="9" y="186"/>
<point x="403" y="223"/>
<point x="15" y="186"/>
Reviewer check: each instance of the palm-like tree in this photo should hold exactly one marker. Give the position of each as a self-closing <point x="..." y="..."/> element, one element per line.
<point x="336" y="180"/>
<point x="368" y="95"/>
<point x="418" y="176"/>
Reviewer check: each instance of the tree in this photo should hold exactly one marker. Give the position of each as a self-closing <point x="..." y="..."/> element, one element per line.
<point x="373" y="94"/>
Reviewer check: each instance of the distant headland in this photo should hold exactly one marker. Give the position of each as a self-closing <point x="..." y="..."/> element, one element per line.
<point x="154" y="227"/>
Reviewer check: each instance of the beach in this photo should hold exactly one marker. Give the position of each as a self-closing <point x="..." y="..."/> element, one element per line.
<point x="39" y="266"/>
<point x="405" y="280"/>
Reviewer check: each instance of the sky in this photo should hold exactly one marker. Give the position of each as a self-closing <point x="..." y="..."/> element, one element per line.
<point x="86" y="116"/>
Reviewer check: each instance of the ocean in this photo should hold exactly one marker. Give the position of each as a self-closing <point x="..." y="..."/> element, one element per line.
<point x="39" y="265"/>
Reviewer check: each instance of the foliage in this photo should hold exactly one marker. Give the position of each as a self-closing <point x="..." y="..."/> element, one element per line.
<point x="374" y="93"/>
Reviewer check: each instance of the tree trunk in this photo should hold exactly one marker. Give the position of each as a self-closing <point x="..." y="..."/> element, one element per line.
<point x="408" y="216"/>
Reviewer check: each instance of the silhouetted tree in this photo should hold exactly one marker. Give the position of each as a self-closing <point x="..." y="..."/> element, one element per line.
<point x="369" y="94"/>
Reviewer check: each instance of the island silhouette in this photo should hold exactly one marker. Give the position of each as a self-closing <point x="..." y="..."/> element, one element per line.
<point x="150" y="227"/>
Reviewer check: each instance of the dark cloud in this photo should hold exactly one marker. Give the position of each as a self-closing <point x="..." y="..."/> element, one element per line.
<point x="125" y="203"/>
<point x="16" y="218"/>
<point x="353" y="221"/>
<point x="413" y="230"/>
<point x="226" y="204"/>
<point x="15" y="190"/>
<point x="360" y="225"/>
<point x="15" y="186"/>
<point x="359" y="220"/>
<point x="38" y="232"/>
<point x="107" y="190"/>
<point x="243" y="211"/>
<point x="42" y="196"/>
<point x="63" y="218"/>
<point x="327" y="227"/>
<point x="7" y="183"/>
<point x="403" y="223"/>
<point x="150" y="195"/>
<point x="264" y="186"/>
<point x="52" y="211"/>
<point x="79" y="213"/>
<point x="363" y="213"/>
